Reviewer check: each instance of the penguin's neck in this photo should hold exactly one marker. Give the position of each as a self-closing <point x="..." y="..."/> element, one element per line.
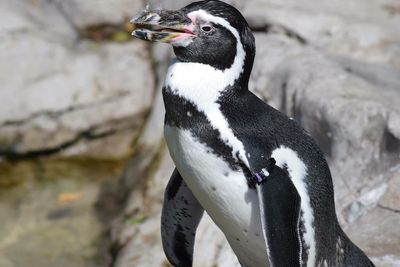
<point x="203" y="84"/>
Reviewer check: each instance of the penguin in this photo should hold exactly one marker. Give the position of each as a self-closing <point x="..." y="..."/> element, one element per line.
<point x="261" y="178"/>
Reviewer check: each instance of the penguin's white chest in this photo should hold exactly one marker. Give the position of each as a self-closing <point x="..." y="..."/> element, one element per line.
<point x="222" y="192"/>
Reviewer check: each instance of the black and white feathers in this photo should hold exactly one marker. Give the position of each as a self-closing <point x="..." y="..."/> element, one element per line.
<point x="220" y="135"/>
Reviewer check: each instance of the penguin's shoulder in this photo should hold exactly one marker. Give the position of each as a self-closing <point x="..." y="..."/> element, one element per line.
<point x="261" y="127"/>
<point x="247" y="112"/>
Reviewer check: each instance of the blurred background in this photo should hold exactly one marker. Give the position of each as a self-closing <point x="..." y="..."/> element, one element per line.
<point x="83" y="164"/>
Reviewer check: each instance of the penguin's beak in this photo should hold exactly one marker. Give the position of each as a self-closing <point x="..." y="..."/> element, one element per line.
<point x="163" y="26"/>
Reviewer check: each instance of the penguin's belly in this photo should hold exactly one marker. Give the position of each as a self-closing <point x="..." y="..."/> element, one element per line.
<point x="222" y="192"/>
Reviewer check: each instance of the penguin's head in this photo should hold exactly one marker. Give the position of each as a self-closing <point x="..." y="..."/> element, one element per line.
<point x="210" y="32"/>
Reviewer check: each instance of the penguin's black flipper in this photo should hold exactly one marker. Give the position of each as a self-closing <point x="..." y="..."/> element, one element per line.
<point x="280" y="214"/>
<point x="181" y="214"/>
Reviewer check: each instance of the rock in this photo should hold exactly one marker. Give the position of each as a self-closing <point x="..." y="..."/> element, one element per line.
<point x="97" y="12"/>
<point x="391" y="199"/>
<point x="66" y="96"/>
<point x="168" y="4"/>
<point x="139" y="226"/>
<point x="151" y="139"/>
<point x="53" y="218"/>
<point x="273" y="48"/>
<point x="211" y="247"/>
<point x="377" y="234"/>
<point x="361" y="30"/>
<point x="22" y="18"/>
<point x="142" y="186"/>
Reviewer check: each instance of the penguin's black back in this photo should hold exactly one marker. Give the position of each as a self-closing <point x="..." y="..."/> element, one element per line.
<point x="263" y="129"/>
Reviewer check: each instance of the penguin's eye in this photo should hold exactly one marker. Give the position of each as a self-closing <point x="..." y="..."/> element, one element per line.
<point x="206" y="28"/>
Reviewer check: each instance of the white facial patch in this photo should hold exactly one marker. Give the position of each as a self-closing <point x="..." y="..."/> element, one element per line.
<point x="202" y="85"/>
<point x="286" y="157"/>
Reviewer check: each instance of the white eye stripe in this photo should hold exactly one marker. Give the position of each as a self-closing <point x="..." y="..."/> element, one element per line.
<point x="204" y="16"/>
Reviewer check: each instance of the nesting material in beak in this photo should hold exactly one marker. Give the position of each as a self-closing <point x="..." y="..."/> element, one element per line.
<point x="162" y="26"/>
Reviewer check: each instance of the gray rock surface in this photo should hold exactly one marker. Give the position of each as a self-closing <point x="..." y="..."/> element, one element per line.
<point x="65" y="93"/>
<point x="57" y="217"/>
<point x="96" y="12"/>
<point x="377" y="229"/>
<point x="358" y="29"/>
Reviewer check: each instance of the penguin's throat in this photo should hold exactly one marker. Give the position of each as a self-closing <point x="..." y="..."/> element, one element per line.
<point x="201" y="80"/>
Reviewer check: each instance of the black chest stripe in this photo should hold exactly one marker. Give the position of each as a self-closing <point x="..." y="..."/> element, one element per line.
<point x="183" y="114"/>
